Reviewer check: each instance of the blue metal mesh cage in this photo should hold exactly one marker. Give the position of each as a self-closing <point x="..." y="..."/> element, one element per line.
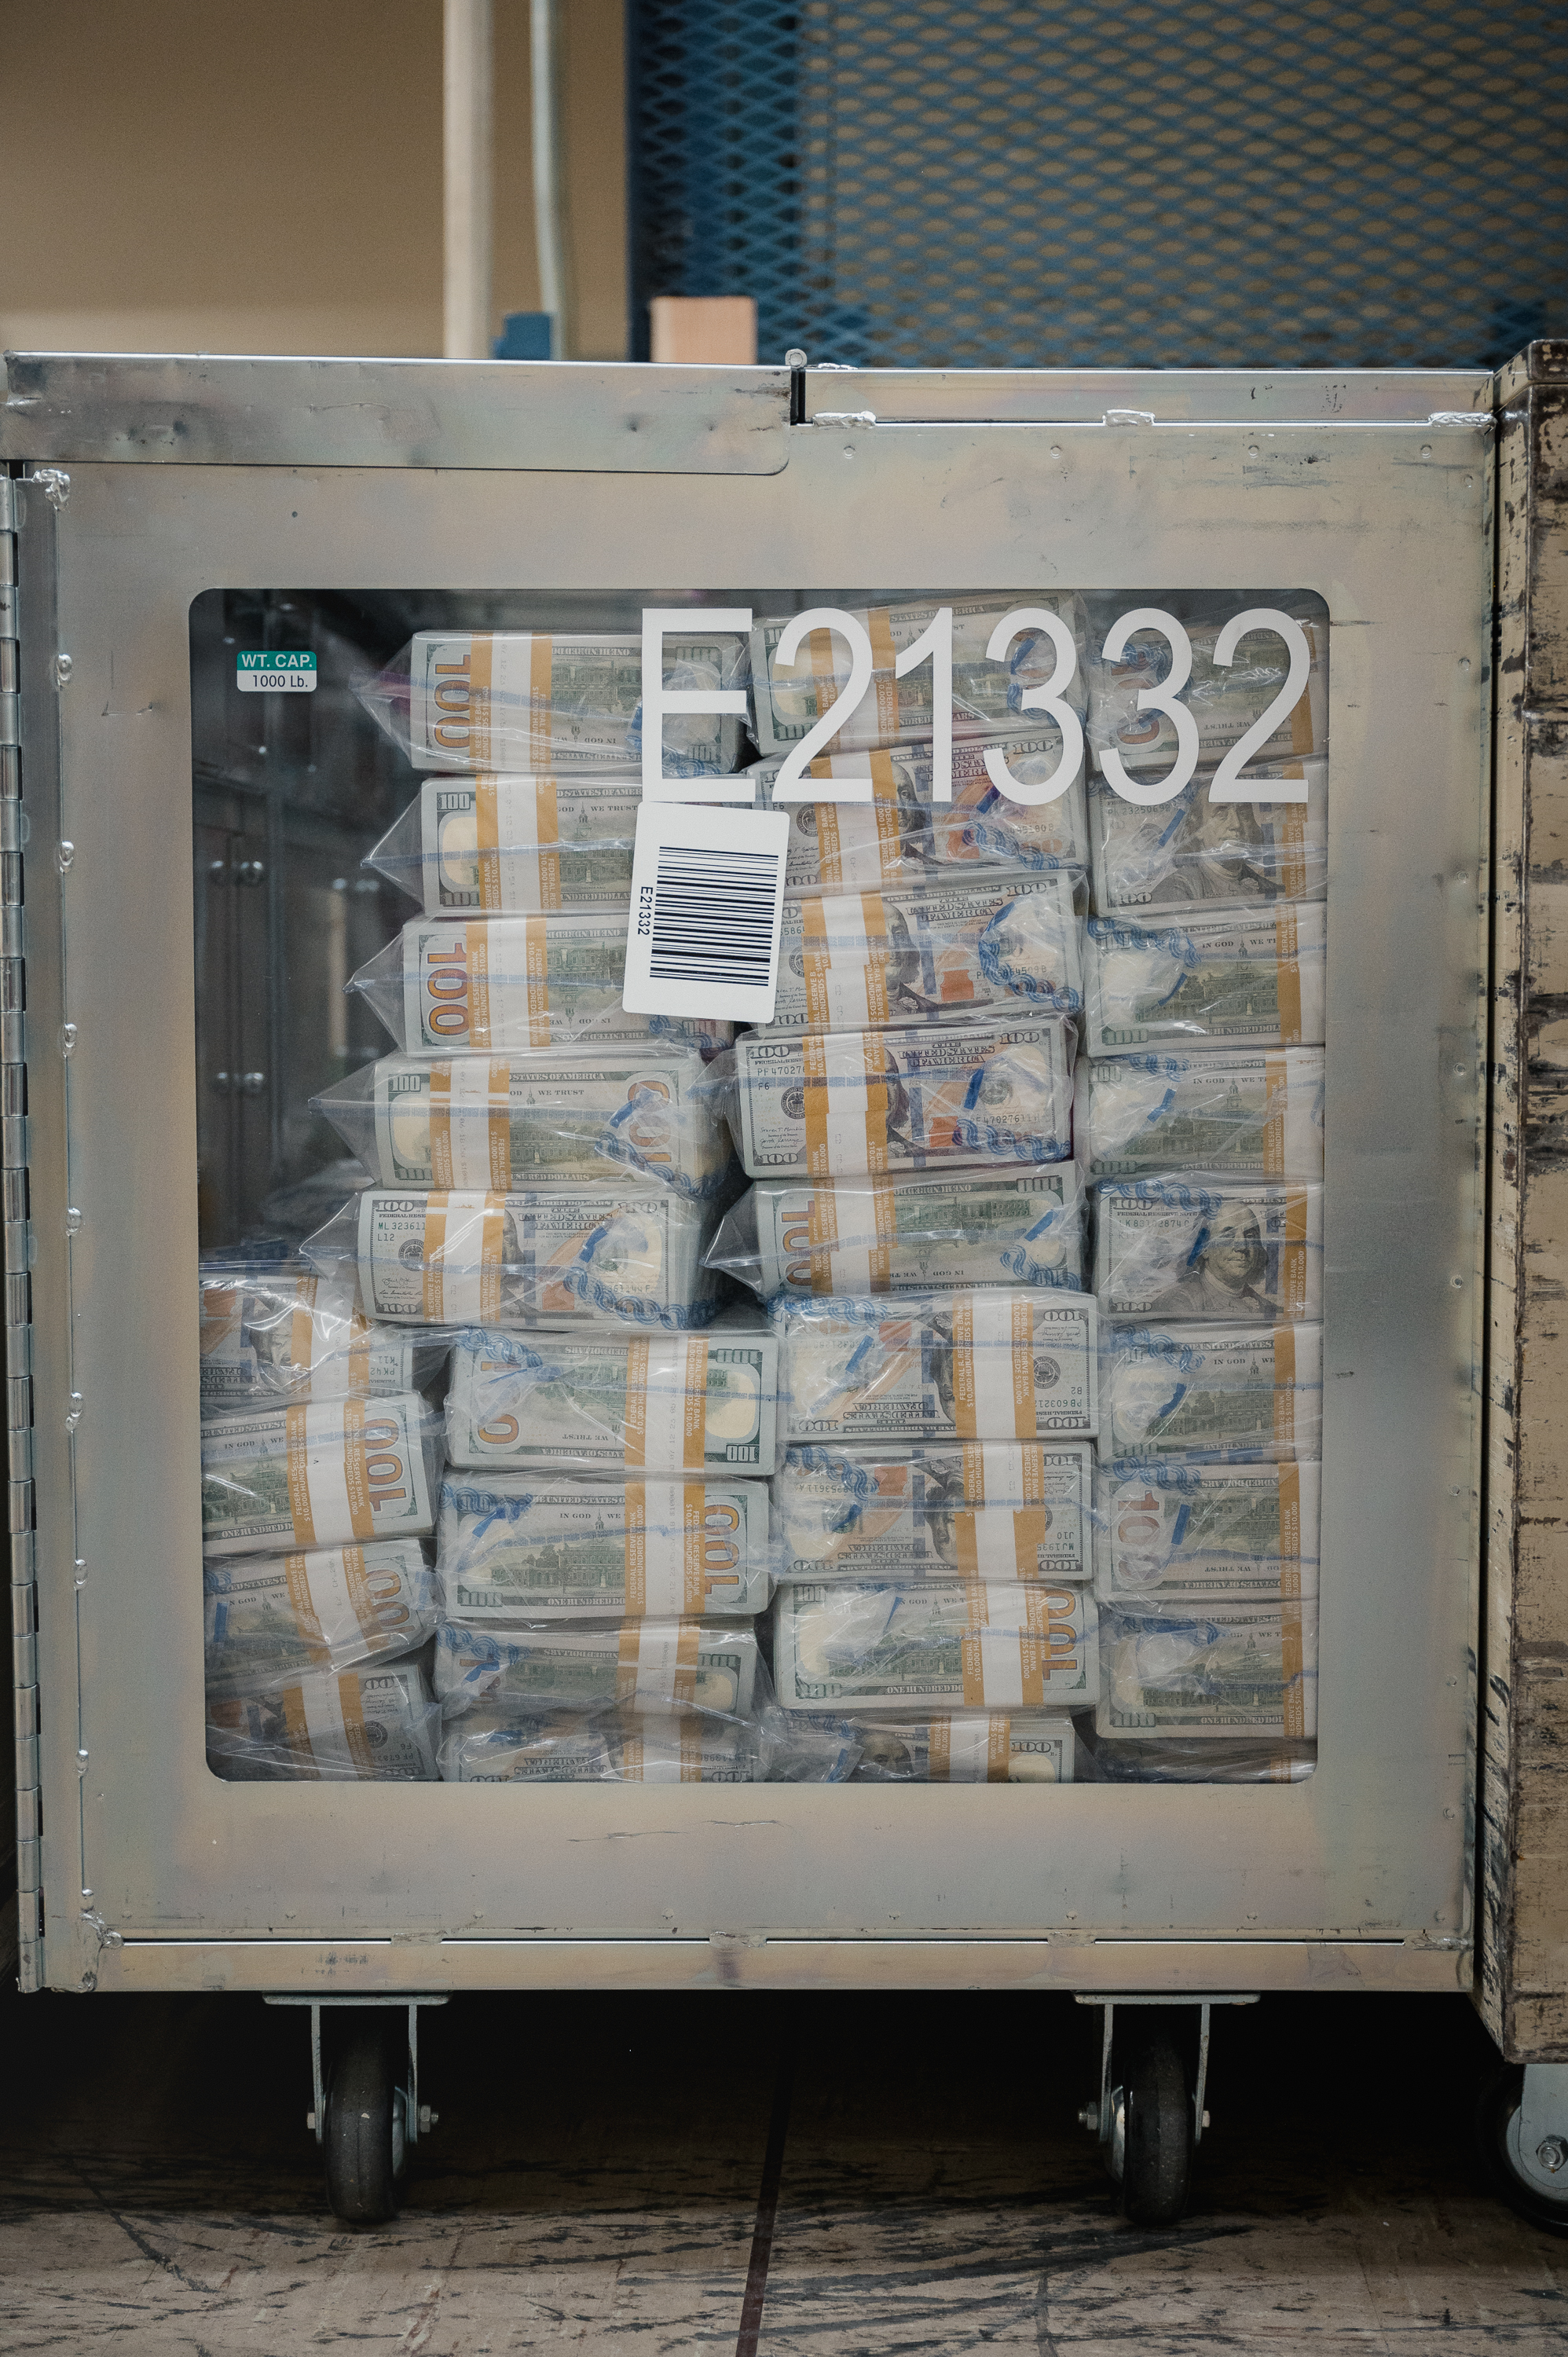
<point x="1172" y="183"/>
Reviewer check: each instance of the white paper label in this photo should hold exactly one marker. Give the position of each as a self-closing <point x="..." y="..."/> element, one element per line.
<point x="707" y="900"/>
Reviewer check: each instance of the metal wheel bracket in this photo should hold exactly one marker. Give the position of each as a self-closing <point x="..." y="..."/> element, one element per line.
<point x="1542" y="2128"/>
<point x="1101" y="2117"/>
<point x="417" y="2119"/>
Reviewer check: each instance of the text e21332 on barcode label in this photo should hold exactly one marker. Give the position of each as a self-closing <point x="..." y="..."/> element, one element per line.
<point x="707" y="900"/>
<point x="288" y="672"/>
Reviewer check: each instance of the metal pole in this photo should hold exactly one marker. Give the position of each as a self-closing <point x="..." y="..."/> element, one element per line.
<point x="549" y="179"/>
<point x="468" y="180"/>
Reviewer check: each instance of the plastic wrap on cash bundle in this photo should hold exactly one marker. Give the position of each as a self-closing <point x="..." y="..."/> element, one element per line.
<point x="788" y="701"/>
<point x="323" y="1473"/>
<point x="1181" y="1248"/>
<point x="1226" y="702"/>
<point x="987" y="1510"/>
<point x="543" y="700"/>
<point x="518" y="843"/>
<point x="1234" y="978"/>
<point x="271" y="1619"/>
<point x="994" y="943"/>
<point x="913" y="1648"/>
<point x="986" y="1365"/>
<point x="896" y="832"/>
<point x="1192" y="849"/>
<point x="1162" y="1760"/>
<point x="627" y="1253"/>
<point x="525" y="1547"/>
<point x="662" y="1404"/>
<point x="557" y="1120"/>
<point x="276" y="1332"/>
<point x="839" y="1105"/>
<point x="1208" y="1670"/>
<point x="906" y="1235"/>
<point x="651" y="1668"/>
<point x="508" y="985"/>
<point x="1172" y="1528"/>
<point x="1218" y="1393"/>
<point x="493" y="1746"/>
<point x="378" y="1724"/>
<point x="1219" y="1111"/>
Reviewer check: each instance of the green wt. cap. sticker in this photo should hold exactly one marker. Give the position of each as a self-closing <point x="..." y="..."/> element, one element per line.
<point x="259" y="674"/>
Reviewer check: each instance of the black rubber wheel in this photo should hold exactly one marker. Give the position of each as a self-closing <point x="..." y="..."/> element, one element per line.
<point x="361" y="2143"/>
<point x="1496" y="2133"/>
<point x="1156" y="2157"/>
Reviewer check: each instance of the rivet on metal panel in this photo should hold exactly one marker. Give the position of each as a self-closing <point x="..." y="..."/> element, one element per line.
<point x="62" y="668"/>
<point x="67" y="1038"/>
<point x="72" y="1221"/>
<point x="74" y="1414"/>
<point x="64" y="856"/>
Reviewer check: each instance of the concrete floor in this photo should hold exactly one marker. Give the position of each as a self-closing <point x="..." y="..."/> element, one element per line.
<point x="593" y="2186"/>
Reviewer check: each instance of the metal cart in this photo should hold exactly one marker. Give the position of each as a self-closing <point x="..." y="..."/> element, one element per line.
<point x="143" y="493"/>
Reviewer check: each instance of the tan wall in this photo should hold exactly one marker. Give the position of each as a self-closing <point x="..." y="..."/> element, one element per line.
<point x="192" y="175"/>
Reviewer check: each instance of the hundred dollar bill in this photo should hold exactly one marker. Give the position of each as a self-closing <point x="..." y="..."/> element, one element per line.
<point x="846" y="1106"/>
<point x="1169" y="1529"/>
<point x="1208" y="1667"/>
<point x="1226" y="703"/>
<point x="665" y="1404"/>
<point x="987" y="697"/>
<point x="1219" y="1392"/>
<point x="901" y="1236"/>
<point x="1184" y="1249"/>
<point x="269" y="1333"/>
<point x="505" y="1121"/>
<point x="627" y="1253"/>
<point x="511" y="1546"/>
<point x="269" y="1618"/>
<point x="999" y="942"/>
<point x="1239" y="1115"/>
<point x="901" y="834"/>
<point x="518" y="842"/>
<point x="974" y="1366"/>
<point x="494" y="986"/>
<point x="325" y="1473"/>
<point x="991" y="1747"/>
<point x="934" y="1647"/>
<point x="644" y="1667"/>
<point x="1169" y="854"/>
<point x="488" y="1746"/>
<point x="369" y="1725"/>
<point x="533" y="700"/>
<point x="1237" y="975"/>
<point x="990" y="1510"/>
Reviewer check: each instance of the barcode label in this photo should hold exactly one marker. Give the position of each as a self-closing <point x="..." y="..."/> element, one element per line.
<point x="707" y="898"/>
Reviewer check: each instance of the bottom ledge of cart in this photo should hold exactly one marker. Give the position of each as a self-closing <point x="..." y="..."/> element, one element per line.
<point x="744" y="1961"/>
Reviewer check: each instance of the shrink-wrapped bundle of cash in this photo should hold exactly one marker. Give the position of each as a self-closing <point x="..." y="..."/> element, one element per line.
<point x="987" y="697"/>
<point x="324" y="1473"/>
<point x="1215" y="1392"/>
<point x="851" y="1104"/>
<point x="1169" y="854"/>
<point x="513" y="1546"/>
<point x="1000" y="942"/>
<point x="1217" y="1110"/>
<point x="1225" y="700"/>
<point x="990" y="1510"/>
<point x="506" y="985"/>
<point x="1208" y="1668"/>
<point x="271" y="1618"/>
<point x="540" y="700"/>
<point x="1169" y="1528"/>
<point x="1171" y="1760"/>
<point x="377" y="1724"/>
<point x="933" y="1646"/>
<point x="903" y="1236"/>
<point x="1000" y="1365"/>
<point x="491" y="1747"/>
<point x="505" y="1121"/>
<point x="1235" y="975"/>
<point x="627" y="1253"/>
<point x="896" y="832"/>
<point x="664" y="1403"/>
<point x="648" y="1668"/>
<point x="977" y="1747"/>
<point x="524" y="844"/>
<point x="1187" y="1248"/>
<point x="276" y="1332"/>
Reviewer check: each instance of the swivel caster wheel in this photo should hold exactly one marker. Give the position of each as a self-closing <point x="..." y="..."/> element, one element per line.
<point x="363" y="2139"/>
<point x="1151" y="2123"/>
<point x="1524" y="2143"/>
